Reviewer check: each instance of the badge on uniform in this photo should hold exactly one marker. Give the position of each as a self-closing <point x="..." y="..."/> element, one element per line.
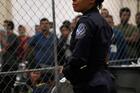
<point x="81" y="29"/>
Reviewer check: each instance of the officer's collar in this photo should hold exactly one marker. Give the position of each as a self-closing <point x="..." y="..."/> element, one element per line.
<point x="91" y="10"/>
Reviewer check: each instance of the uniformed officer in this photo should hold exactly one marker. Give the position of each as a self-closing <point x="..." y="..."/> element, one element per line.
<point x="87" y="67"/>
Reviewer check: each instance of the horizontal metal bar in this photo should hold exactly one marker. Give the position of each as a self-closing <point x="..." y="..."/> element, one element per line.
<point x="28" y="70"/>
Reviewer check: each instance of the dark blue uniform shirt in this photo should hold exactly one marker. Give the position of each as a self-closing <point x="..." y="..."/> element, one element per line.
<point x="90" y="44"/>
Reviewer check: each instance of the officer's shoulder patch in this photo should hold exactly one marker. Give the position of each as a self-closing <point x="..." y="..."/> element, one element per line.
<point x="81" y="29"/>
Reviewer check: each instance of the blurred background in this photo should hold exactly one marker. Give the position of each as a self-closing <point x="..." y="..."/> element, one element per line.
<point x="27" y="58"/>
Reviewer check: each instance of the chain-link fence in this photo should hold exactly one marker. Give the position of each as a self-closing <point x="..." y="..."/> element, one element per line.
<point x="35" y="39"/>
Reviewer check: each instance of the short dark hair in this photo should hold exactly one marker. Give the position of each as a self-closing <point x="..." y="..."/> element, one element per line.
<point x="6" y="21"/>
<point x="10" y="24"/>
<point x="66" y="22"/>
<point x="65" y="26"/>
<point x="124" y="9"/>
<point x="44" y="19"/>
<point x="20" y="26"/>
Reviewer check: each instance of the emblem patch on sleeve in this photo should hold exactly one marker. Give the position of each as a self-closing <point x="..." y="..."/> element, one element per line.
<point x="81" y="29"/>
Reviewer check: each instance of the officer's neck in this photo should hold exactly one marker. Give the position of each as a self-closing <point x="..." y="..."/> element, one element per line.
<point x="90" y="10"/>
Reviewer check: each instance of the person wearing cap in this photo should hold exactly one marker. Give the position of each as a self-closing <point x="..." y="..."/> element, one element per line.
<point x="86" y="69"/>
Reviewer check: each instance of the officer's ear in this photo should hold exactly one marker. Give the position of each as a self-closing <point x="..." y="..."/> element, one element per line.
<point x="92" y="1"/>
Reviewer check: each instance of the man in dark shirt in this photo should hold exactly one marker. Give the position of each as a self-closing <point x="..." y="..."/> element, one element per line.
<point x="43" y="45"/>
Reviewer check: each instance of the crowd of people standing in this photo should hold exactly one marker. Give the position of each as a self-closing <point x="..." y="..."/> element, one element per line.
<point x="38" y="50"/>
